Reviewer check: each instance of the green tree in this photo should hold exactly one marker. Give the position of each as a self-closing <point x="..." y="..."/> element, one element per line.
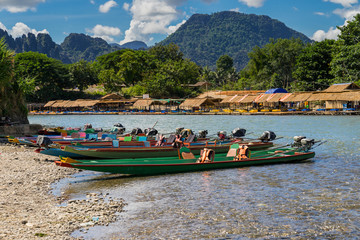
<point x="167" y="52"/>
<point x="272" y="66"/>
<point x="82" y="74"/>
<point x="224" y="64"/>
<point x="11" y="98"/>
<point x="50" y="75"/>
<point x="313" y="67"/>
<point x="345" y="64"/>
<point x="350" y="32"/>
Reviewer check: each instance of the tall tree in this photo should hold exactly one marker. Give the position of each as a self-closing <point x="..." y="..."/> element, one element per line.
<point x="51" y="76"/>
<point x="313" y="67"/>
<point x="11" y="99"/>
<point x="82" y="74"/>
<point x="272" y="65"/>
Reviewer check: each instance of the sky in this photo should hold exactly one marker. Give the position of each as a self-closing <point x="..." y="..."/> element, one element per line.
<point x="150" y="21"/>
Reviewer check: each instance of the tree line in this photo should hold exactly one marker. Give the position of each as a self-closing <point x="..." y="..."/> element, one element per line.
<point x="163" y="72"/>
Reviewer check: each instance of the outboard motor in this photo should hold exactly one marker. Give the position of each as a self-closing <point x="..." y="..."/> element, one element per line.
<point x="43" y="141"/>
<point x="307" y="143"/>
<point x="297" y="141"/>
<point x="87" y="126"/>
<point x="118" y="128"/>
<point x="221" y="135"/>
<point x="267" y="136"/>
<point x="238" y="132"/>
<point x="136" y="131"/>
<point x="150" y="132"/>
<point x="203" y="133"/>
<point x="178" y="130"/>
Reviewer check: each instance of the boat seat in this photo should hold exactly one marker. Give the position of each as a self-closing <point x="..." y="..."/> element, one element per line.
<point x="190" y="139"/>
<point x="187" y="155"/>
<point x="171" y="139"/>
<point x="233" y="151"/>
<point x="75" y="135"/>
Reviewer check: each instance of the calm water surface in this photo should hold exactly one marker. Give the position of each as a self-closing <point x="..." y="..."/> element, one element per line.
<point x="317" y="199"/>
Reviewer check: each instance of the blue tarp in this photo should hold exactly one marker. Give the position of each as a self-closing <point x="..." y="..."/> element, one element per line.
<point x="276" y="90"/>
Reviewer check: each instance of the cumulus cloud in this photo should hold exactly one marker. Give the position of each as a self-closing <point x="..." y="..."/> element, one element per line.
<point x="174" y="28"/>
<point x="346" y="13"/>
<point x="321" y="35"/>
<point x="152" y="17"/>
<point x="104" y="32"/>
<point x="253" y="3"/>
<point x="344" y="3"/>
<point x="92" y="2"/>
<point x="104" y="8"/>
<point x="235" y="10"/>
<point x="20" y="29"/>
<point x="126" y="6"/>
<point x="15" y="6"/>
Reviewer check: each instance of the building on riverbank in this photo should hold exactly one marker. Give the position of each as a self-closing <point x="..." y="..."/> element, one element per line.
<point x="338" y="97"/>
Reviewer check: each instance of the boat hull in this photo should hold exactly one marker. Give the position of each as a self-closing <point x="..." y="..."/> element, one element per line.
<point x="152" y="168"/>
<point x="154" y="152"/>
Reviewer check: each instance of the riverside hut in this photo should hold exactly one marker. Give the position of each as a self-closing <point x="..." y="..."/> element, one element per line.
<point x="148" y="104"/>
<point x="194" y="104"/>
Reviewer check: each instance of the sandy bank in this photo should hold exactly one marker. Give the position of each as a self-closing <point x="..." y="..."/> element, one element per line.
<point x="29" y="211"/>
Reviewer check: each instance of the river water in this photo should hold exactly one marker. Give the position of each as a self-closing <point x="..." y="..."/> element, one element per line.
<point x="317" y="199"/>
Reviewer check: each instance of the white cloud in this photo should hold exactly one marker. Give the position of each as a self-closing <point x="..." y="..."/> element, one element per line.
<point x="174" y="28"/>
<point x="344" y="3"/>
<point x="319" y="13"/>
<point x="15" y="6"/>
<point x="92" y="2"/>
<point x="104" y="8"/>
<point x="20" y="29"/>
<point x="126" y="6"/>
<point x="320" y="35"/>
<point x="346" y="13"/>
<point x="151" y="17"/>
<point x="104" y="32"/>
<point x="253" y="3"/>
<point x="235" y="10"/>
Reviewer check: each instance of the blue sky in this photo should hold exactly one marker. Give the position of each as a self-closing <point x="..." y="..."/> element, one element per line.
<point x="152" y="20"/>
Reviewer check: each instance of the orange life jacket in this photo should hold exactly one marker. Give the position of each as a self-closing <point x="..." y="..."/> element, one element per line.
<point x="243" y="153"/>
<point x="207" y="155"/>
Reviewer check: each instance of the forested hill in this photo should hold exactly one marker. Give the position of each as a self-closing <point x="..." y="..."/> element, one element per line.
<point x="204" y="38"/>
<point x="75" y="46"/>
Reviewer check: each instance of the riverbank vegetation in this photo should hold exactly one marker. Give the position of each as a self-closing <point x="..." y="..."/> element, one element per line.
<point x="163" y="72"/>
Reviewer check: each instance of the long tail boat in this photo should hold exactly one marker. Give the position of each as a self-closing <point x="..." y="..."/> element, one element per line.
<point x="151" y="166"/>
<point x="160" y="151"/>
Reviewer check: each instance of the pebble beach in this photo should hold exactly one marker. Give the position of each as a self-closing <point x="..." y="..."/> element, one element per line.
<point x="28" y="210"/>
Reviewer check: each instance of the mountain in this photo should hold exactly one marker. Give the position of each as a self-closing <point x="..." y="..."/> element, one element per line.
<point x="204" y="38"/>
<point x="75" y="46"/>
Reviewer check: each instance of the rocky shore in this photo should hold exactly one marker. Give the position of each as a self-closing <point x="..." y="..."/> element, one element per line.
<point x="27" y="208"/>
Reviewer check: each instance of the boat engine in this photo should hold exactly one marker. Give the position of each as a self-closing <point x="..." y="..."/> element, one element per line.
<point x="267" y="136"/>
<point x="238" y="132"/>
<point x="178" y="130"/>
<point x="136" y="131"/>
<point x="118" y="128"/>
<point x="150" y="132"/>
<point x="297" y="141"/>
<point x="307" y="143"/>
<point x="221" y="135"/>
<point x="203" y="133"/>
<point x="43" y="141"/>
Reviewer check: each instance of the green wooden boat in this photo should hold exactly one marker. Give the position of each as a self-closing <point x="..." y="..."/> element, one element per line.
<point x="154" y="166"/>
<point x="156" y="152"/>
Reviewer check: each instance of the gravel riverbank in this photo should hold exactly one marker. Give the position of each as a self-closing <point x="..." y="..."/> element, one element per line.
<point x="29" y="211"/>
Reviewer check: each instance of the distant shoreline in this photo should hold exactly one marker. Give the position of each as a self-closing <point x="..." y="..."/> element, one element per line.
<point x="340" y="112"/>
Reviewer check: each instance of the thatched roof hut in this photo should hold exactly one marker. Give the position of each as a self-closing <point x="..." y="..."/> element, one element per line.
<point x="197" y="103"/>
<point x="145" y="103"/>
<point x="339" y="87"/>
<point x="297" y="97"/>
<point x="276" y="97"/>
